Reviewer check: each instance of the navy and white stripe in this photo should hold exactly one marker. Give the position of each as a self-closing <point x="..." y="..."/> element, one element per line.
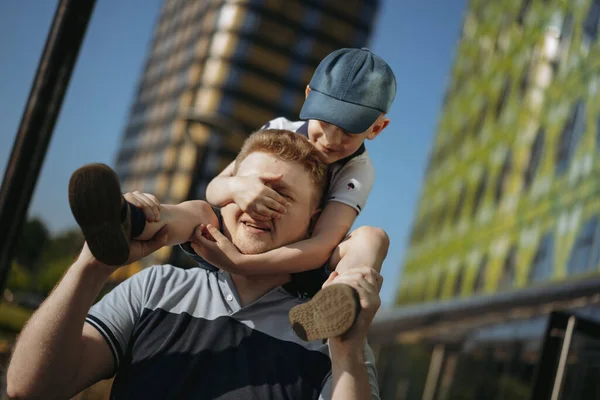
<point x="179" y="333"/>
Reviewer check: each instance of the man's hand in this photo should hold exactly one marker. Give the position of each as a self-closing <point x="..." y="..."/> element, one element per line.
<point x="138" y="249"/>
<point x="209" y="243"/>
<point x="147" y="202"/>
<point x="256" y="199"/>
<point x="367" y="282"/>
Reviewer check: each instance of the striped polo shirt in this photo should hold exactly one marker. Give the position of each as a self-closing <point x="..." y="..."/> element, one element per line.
<point x="182" y="334"/>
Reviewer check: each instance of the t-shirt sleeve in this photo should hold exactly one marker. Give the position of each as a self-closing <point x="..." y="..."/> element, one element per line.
<point x="116" y="314"/>
<point x="327" y="390"/>
<point x="352" y="184"/>
<point x="277" y="123"/>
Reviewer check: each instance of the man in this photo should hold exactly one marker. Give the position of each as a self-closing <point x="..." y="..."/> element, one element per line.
<point x="173" y="333"/>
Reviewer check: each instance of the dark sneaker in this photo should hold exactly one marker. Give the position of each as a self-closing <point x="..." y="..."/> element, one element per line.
<point x="330" y="313"/>
<point x="98" y="207"/>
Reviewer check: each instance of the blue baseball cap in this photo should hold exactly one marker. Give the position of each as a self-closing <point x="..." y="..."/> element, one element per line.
<point x="350" y="88"/>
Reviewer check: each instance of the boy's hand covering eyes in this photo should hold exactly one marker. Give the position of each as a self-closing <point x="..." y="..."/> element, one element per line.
<point x="253" y="195"/>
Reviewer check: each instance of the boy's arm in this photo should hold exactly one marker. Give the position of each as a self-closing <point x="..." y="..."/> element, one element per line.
<point x="219" y="191"/>
<point x="333" y="224"/>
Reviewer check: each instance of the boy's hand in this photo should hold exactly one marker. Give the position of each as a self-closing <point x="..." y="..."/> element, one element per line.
<point x="147" y="202"/>
<point x="256" y="199"/>
<point x="367" y="282"/>
<point x="209" y="243"/>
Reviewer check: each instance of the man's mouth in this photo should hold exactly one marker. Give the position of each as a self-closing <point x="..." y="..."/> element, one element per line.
<point x="255" y="226"/>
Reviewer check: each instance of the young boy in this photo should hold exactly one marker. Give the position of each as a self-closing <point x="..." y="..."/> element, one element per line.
<point x="346" y="102"/>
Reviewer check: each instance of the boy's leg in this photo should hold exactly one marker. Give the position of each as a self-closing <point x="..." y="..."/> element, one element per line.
<point x="102" y="213"/>
<point x="333" y="310"/>
<point x="109" y="221"/>
<point x="365" y="246"/>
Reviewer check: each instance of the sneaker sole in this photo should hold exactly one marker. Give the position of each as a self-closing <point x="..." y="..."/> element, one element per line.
<point x="95" y="200"/>
<point x="330" y="313"/>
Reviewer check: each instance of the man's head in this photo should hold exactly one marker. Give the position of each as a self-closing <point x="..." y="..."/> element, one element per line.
<point x="346" y="101"/>
<point x="303" y="184"/>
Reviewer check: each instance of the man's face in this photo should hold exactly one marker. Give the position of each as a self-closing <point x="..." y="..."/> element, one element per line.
<point x="253" y="237"/>
<point x="332" y="142"/>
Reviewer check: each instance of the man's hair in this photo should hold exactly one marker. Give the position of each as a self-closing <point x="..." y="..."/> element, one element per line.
<point x="288" y="146"/>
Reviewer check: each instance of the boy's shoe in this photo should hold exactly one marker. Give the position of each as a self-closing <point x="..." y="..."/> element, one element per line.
<point x="98" y="207"/>
<point x="330" y="313"/>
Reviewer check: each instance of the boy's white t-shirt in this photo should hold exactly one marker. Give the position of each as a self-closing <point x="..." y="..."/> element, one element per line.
<point x="351" y="178"/>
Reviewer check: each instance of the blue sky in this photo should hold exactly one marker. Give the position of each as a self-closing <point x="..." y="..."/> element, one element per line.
<point x="417" y="38"/>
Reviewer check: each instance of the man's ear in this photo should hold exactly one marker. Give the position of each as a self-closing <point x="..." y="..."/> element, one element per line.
<point x="378" y="127"/>
<point x="313" y="221"/>
<point x="307" y="91"/>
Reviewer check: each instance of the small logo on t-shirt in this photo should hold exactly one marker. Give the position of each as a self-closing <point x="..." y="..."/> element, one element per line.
<point x="353" y="185"/>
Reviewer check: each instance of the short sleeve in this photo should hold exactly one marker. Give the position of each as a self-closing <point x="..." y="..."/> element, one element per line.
<point x="353" y="182"/>
<point x="116" y="314"/>
<point x="277" y="123"/>
<point x="327" y="390"/>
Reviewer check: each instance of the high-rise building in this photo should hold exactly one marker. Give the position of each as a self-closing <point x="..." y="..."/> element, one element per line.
<point x="499" y="297"/>
<point x="216" y="71"/>
<point x="510" y="199"/>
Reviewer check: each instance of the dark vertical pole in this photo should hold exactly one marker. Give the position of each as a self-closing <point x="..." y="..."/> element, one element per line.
<point x="545" y="371"/>
<point x="37" y="123"/>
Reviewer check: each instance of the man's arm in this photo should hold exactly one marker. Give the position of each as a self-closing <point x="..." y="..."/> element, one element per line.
<point x="56" y="354"/>
<point x="350" y="377"/>
<point x="333" y="224"/>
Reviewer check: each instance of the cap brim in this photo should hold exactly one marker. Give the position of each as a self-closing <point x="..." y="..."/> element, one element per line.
<point x="350" y="117"/>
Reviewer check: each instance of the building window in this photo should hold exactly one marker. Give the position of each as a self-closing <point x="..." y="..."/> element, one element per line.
<point x="481" y="119"/>
<point x="508" y="271"/>
<point x="457" y="290"/>
<point x="460" y="203"/>
<point x="569" y="138"/>
<point x="543" y="261"/>
<point x="584" y="255"/>
<point x="500" y="183"/>
<point x="525" y="4"/>
<point x="440" y="288"/>
<point x="534" y="158"/>
<point x="566" y="31"/>
<point x="598" y="133"/>
<point x="480" y="280"/>
<point x="479" y="193"/>
<point x="503" y="98"/>
<point x="524" y="82"/>
<point x="590" y="25"/>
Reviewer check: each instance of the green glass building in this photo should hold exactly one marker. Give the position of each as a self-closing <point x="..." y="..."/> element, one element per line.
<point x="510" y="199"/>
<point x="500" y="293"/>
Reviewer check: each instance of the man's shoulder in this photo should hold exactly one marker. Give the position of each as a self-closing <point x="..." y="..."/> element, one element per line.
<point x="283" y="123"/>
